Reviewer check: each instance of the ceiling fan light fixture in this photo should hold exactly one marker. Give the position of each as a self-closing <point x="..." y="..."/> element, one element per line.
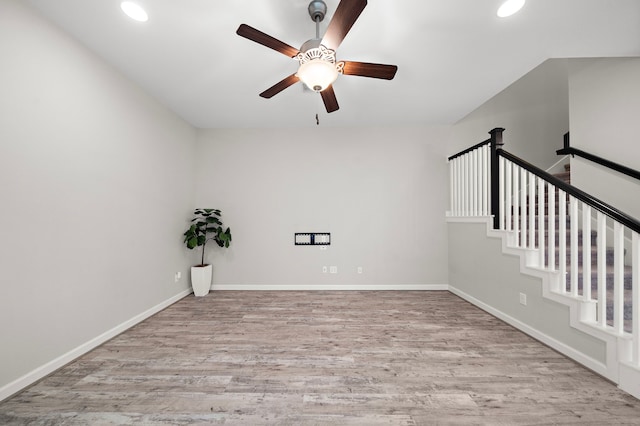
<point x="510" y="7"/>
<point x="318" y="69"/>
<point x="134" y="11"/>
<point x="317" y="74"/>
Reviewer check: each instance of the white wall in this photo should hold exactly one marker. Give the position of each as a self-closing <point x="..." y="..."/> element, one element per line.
<point x="605" y="106"/>
<point x="534" y="111"/>
<point x="96" y="187"/>
<point x="381" y="193"/>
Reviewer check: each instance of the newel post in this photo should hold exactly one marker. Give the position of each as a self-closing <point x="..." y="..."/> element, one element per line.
<point x="496" y="146"/>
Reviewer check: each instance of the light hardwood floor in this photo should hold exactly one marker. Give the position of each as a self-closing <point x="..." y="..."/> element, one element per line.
<point x="322" y="358"/>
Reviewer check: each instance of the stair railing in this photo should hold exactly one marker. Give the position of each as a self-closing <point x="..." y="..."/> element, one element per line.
<point x="539" y="212"/>
<point x="569" y="150"/>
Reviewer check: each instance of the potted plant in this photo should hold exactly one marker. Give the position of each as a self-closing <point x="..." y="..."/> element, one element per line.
<point x="206" y="225"/>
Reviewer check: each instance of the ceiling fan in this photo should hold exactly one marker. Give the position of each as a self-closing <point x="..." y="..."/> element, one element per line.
<point x="317" y="57"/>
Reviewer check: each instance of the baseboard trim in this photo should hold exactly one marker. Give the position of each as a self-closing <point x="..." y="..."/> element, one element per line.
<point x="346" y="287"/>
<point x="630" y="379"/>
<point x="28" y="379"/>
<point x="583" y="359"/>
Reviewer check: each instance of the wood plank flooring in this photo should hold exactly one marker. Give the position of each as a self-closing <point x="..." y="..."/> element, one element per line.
<point x="322" y="358"/>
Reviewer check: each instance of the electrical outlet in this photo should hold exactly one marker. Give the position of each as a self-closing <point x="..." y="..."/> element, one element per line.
<point x="359" y="269"/>
<point x="324" y="269"/>
<point x="177" y="276"/>
<point x="523" y="299"/>
<point x="333" y="269"/>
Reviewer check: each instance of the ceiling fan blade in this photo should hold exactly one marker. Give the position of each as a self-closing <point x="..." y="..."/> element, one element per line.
<point x="343" y="19"/>
<point x="280" y="86"/>
<point x="329" y="99"/>
<point x="364" y="69"/>
<point x="266" y="40"/>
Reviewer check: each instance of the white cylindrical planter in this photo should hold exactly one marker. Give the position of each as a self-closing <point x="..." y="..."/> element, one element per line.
<point x="201" y="279"/>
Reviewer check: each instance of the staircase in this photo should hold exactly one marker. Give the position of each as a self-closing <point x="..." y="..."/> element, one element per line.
<point x="586" y="252"/>
<point x="609" y="264"/>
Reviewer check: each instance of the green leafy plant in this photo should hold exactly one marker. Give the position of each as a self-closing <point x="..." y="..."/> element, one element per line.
<point x="205" y="226"/>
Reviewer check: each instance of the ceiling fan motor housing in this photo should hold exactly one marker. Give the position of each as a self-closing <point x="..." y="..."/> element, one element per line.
<point x="313" y="43"/>
<point x="317" y="10"/>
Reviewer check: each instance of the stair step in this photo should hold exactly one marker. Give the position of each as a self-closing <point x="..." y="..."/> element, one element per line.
<point x="564" y="176"/>
<point x="627" y="307"/>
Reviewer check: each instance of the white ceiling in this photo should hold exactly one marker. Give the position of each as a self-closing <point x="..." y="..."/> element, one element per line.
<point x="452" y="55"/>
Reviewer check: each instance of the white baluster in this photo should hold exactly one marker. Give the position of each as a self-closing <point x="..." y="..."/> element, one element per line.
<point x="485" y="180"/>
<point x="532" y="211"/>
<point x="501" y="191"/>
<point x="473" y="183"/>
<point x="573" y="216"/>
<point x="463" y="192"/>
<point x="562" y="239"/>
<point x="602" y="270"/>
<point x="586" y="252"/>
<point x="541" y="187"/>
<point x="460" y="185"/>
<point x="516" y="204"/>
<point x="635" y="283"/>
<point x="478" y="182"/>
<point x="551" y="226"/>
<point x="469" y="183"/>
<point x="618" y="277"/>
<point x="465" y="185"/>
<point x="508" y="205"/>
<point x="523" y="208"/>
<point x="451" y="187"/>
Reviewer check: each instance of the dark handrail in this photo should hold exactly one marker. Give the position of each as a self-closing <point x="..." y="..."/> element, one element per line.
<point x="567" y="150"/>
<point x="468" y="150"/>
<point x="597" y="204"/>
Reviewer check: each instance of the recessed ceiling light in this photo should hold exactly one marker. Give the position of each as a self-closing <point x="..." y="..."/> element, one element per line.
<point x="510" y="7"/>
<point x="134" y="11"/>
